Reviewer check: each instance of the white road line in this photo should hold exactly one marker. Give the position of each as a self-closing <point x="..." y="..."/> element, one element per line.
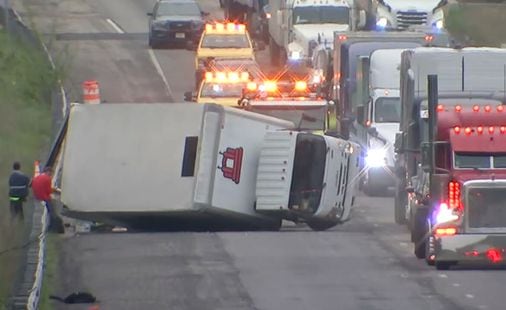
<point x="456" y="284"/>
<point x="470" y="296"/>
<point x="160" y="72"/>
<point x="114" y="25"/>
<point x="442" y="275"/>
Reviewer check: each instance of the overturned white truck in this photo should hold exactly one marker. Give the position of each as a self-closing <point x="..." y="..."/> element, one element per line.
<point x="205" y="167"/>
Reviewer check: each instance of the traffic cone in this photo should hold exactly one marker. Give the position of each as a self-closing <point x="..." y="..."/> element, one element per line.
<point x="36" y="168"/>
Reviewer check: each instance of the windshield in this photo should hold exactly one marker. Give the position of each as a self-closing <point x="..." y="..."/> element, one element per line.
<point x="387" y="110"/>
<point x="480" y="161"/>
<point x="225" y="41"/>
<point x="305" y="118"/>
<point x="178" y="9"/>
<point x="222" y="90"/>
<point x="321" y="15"/>
<point x="308" y="172"/>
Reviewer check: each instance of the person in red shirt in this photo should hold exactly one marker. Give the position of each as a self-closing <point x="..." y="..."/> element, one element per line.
<point x="42" y="187"/>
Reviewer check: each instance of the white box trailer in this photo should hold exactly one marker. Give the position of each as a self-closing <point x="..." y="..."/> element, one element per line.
<point x="170" y="166"/>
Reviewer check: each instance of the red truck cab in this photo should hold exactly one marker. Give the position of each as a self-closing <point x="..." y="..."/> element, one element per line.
<point x="468" y="216"/>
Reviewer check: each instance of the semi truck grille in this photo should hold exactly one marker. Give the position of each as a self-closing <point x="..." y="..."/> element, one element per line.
<point x="485" y="206"/>
<point x="406" y="19"/>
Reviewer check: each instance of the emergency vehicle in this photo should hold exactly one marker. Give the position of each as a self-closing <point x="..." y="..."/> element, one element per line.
<point x="223" y="88"/>
<point x="294" y="101"/>
<point x="224" y="40"/>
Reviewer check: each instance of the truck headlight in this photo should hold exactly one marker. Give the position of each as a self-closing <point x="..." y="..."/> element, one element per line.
<point x="295" y="55"/>
<point x="376" y="158"/>
<point x="295" y="52"/>
<point x="439" y="24"/>
<point x="382" y="23"/>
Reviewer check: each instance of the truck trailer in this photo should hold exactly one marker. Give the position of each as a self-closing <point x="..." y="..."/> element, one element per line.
<point x="192" y="166"/>
<point x="468" y="79"/>
<point x="296" y="27"/>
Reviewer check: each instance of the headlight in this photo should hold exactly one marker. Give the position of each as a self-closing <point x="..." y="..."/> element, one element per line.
<point x="439" y="24"/>
<point x="375" y="158"/>
<point x="159" y="27"/>
<point x="382" y="22"/>
<point x="295" y="55"/>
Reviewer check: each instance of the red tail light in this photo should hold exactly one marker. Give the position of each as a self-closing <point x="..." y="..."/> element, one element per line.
<point x="494" y="255"/>
<point x="454" y="196"/>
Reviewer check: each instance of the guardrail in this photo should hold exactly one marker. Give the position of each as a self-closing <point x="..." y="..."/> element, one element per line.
<point x="27" y="293"/>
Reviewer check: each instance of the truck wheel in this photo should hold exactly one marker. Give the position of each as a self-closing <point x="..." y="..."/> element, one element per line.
<point x="320" y="225"/>
<point x="274" y="52"/>
<point x="419" y="232"/>
<point x="401" y="199"/>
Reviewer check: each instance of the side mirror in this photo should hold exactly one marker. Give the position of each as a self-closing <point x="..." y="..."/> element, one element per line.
<point x="361" y="19"/>
<point x="188" y="96"/>
<point x="149" y="14"/>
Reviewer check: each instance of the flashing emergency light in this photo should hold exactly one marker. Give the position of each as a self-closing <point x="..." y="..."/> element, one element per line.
<point x="300" y="86"/>
<point x="476" y="108"/>
<point x="458" y="108"/>
<point x="500" y="108"/>
<point x="479" y="129"/>
<point x="487" y="108"/>
<point x="382" y="22"/>
<point x="502" y="129"/>
<point x="494" y="255"/>
<point x="429" y="38"/>
<point x="225" y="28"/>
<point x="226" y="77"/>
<point x="270" y="86"/>
<point x="440" y="108"/>
<point x="342" y="37"/>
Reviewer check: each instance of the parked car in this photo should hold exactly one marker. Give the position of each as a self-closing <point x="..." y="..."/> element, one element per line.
<point x="175" y="22"/>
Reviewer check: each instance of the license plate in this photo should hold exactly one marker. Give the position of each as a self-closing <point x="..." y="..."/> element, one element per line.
<point x="180" y="35"/>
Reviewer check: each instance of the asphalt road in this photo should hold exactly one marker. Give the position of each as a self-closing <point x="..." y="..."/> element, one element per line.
<point x="366" y="263"/>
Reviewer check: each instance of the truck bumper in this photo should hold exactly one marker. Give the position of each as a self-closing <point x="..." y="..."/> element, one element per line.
<point x="477" y="248"/>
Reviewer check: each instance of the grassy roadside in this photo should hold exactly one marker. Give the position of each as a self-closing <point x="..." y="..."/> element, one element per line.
<point x="26" y="79"/>
<point x="480" y="24"/>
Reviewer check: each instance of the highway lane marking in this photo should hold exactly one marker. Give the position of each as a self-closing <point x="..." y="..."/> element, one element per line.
<point x="115" y="25"/>
<point x="442" y="275"/>
<point x="160" y="72"/>
<point x="470" y="296"/>
<point x="456" y="284"/>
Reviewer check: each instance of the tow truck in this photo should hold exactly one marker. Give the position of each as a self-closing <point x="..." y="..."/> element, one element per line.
<point x="224" y="40"/>
<point x="298" y="103"/>
<point x="450" y="154"/>
<point x="220" y="87"/>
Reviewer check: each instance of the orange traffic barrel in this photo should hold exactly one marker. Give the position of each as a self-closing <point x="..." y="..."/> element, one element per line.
<point x="91" y="92"/>
<point x="36" y="168"/>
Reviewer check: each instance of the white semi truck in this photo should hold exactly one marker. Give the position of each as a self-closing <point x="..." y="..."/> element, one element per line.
<point x="401" y="14"/>
<point x="296" y="27"/>
<point x="379" y="85"/>
<point x="205" y="166"/>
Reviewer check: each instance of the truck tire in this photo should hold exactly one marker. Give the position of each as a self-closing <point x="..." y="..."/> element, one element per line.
<point x="401" y="199"/>
<point x="419" y="232"/>
<point x="316" y="225"/>
<point x="274" y="52"/>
